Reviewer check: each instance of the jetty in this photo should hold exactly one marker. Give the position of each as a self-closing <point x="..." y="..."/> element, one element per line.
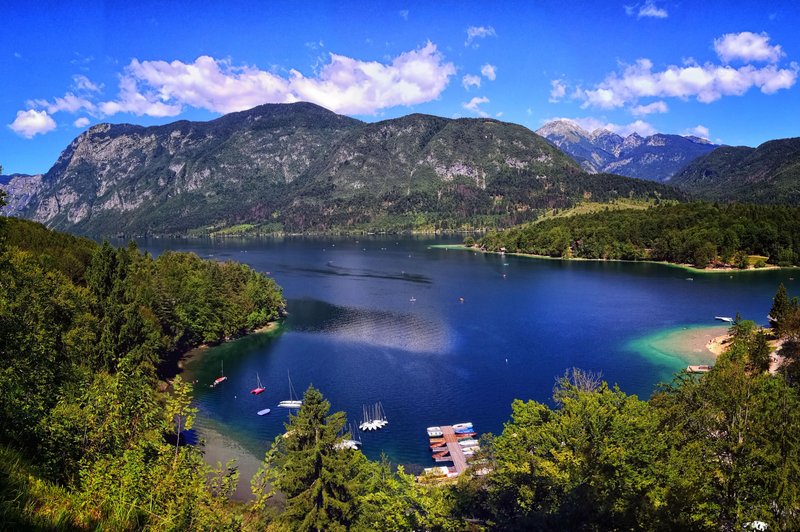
<point x="451" y="443"/>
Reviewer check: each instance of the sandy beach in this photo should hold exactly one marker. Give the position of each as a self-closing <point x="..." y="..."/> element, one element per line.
<point x="679" y="347"/>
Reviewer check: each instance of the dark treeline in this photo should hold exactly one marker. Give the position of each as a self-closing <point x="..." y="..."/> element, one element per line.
<point x="83" y="328"/>
<point x="701" y="234"/>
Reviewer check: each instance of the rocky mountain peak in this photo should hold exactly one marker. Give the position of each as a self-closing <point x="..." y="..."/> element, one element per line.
<point x="655" y="157"/>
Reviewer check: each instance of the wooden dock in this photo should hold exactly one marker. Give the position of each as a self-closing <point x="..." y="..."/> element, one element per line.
<point x="456" y="454"/>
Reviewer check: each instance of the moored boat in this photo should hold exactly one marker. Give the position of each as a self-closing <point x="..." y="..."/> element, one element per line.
<point x="435" y="432"/>
<point x="222" y="378"/>
<point x="264" y="412"/>
<point x="259" y="387"/>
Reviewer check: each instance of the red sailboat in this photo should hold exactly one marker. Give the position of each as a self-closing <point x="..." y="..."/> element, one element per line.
<point x="258" y="389"/>
<point x="222" y="378"/>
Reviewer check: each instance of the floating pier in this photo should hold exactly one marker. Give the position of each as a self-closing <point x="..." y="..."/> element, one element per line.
<point x="451" y="443"/>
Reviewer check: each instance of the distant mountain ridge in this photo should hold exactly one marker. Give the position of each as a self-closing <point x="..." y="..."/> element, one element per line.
<point x="769" y="173"/>
<point x="299" y="167"/>
<point x="657" y="157"/>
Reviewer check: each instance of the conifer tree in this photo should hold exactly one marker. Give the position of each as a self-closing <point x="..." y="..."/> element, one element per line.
<point x="318" y="479"/>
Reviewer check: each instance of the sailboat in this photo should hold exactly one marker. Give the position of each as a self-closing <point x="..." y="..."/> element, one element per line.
<point x="222" y="378"/>
<point x="292" y="402"/>
<point x="258" y="389"/>
<point x="374" y="417"/>
<point x="350" y="443"/>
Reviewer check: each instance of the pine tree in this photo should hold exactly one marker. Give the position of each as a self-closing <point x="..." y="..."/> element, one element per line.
<point x="318" y="480"/>
<point x="782" y="307"/>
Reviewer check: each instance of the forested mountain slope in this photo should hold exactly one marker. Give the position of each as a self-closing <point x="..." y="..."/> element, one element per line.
<point x="769" y="173"/>
<point x="298" y="167"/>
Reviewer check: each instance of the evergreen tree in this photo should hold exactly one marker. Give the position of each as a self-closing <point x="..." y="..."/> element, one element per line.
<point x="318" y="479"/>
<point x="782" y="307"/>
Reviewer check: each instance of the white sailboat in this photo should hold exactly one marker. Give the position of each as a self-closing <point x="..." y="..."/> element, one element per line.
<point x="374" y="418"/>
<point x="293" y="402"/>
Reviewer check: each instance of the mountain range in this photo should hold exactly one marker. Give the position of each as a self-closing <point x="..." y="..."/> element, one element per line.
<point x="656" y="157"/>
<point x="299" y="167"/>
<point x="769" y="173"/>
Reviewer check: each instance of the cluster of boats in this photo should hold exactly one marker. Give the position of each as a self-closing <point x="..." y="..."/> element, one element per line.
<point x="374" y="417"/>
<point x="292" y="402"/>
<point x="461" y="433"/>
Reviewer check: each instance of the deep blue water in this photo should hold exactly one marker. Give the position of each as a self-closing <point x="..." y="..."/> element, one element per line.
<point x="353" y="332"/>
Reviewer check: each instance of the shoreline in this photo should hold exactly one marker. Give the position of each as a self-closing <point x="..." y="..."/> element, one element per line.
<point x="685" y="267"/>
<point x="187" y="355"/>
<point x="675" y="348"/>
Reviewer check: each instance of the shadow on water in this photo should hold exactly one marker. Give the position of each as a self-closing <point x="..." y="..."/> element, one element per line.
<point x="341" y="271"/>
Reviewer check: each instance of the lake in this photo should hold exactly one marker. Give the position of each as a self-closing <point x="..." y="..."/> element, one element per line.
<point x="445" y="336"/>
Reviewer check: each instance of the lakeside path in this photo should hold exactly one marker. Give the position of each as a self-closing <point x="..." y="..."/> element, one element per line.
<point x="685" y="267"/>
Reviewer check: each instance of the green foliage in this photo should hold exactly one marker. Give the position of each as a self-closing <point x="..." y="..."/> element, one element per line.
<point x="318" y="479"/>
<point x="696" y="233"/>
<point x="80" y="342"/>
<point x="769" y="173"/>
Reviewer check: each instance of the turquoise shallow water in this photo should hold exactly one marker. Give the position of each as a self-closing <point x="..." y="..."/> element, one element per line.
<point x="355" y="333"/>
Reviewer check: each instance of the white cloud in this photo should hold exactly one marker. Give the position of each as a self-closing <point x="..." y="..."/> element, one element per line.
<point x="557" y="91"/>
<point x="474" y="105"/>
<point x="706" y="83"/>
<point x="747" y="46"/>
<point x="590" y="124"/>
<point x="489" y="71"/>
<point x="345" y="85"/>
<point x="81" y="122"/>
<point x="649" y="9"/>
<point x="655" y="107"/>
<point x="82" y="83"/>
<point x="69" y="103"/>
<point x="499" y="114"/>
<point x="697" y="131"/>
<point x="403" y="13"/>
<point x="32" y="122"/>
<point x="478" y="32"/>
<point x="471" y="81"/>
<point x="18" y="55"/>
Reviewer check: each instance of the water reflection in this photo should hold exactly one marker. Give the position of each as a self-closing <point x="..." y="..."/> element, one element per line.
<point x="395" y="330"/>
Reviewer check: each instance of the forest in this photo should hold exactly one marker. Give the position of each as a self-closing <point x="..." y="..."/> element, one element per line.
<point x="90" y="428"/>
<point x="700" y="234"/>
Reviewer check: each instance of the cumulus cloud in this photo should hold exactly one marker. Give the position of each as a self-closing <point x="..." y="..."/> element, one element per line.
<point x="655" y="107"/>
<point x="489" y="71"/>
<point x="648" y="9"/>
<point x="32" y="122"/>
<point x="557" y="91"/>
<point x="81" y="122"/>
<point x="706" y="83"/>
<point x="344" y="84"/>
<point x="471" y="80"/>
<point x="478" y="32"/>
<point x="697" y="131"/>
<point x="590" y="124"/>
<point x="474" y="105"/>
<point x="747" y="46"/>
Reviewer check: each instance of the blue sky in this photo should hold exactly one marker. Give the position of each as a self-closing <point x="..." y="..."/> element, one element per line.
<point x="723" y="70"/>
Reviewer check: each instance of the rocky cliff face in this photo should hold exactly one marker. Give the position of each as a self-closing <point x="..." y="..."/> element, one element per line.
<point x="299" y="167"/>
<point x="657" y="157"/>
<point x="19" y="188"/>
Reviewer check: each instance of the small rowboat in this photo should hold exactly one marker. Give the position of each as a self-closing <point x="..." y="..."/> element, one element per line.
<point x="264" y="412"/>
